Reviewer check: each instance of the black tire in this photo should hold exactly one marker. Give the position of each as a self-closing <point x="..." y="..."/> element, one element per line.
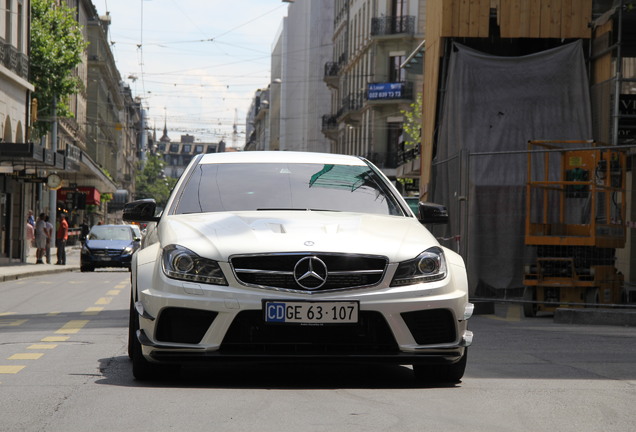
<point x="529" y="309"/>
<point x="87" y="268"/>
<point x="142" y="369"/>
<point x="592" y="298"/>
<point x="447" y="373"/>
<point x="131" y="332"/>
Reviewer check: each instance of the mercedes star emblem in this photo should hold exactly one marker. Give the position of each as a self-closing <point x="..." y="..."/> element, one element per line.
<point x="310" y="273"/>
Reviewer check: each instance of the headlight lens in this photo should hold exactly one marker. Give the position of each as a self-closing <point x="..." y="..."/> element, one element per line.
<point x="429" y="266"/>
<point x="181" y="263"/>
<point x="128" y="250"/>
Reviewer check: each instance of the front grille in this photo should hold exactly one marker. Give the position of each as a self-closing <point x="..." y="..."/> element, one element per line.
<point x="342" y="271"/>
<point x="106" y="252"/>
<point x="249" y="333"/>
<point x="431" y="326"/>
<point x="181" y="325"/>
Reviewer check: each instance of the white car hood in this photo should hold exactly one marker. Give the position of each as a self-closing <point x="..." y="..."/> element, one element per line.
<point x="221" y="235"/>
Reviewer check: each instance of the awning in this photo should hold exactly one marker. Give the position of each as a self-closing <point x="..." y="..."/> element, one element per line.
<point x="92" y="194"/>
<point x="31" y="155"/>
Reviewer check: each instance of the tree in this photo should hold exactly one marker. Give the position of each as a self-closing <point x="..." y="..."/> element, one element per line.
<point x="151" y="181"/>
<point x="57" y="48"/>
<point x="413" y="124"/>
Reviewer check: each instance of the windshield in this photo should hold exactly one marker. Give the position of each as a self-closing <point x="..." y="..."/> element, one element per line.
<point x="102" y="232"/>
<point x="285" y="186"/>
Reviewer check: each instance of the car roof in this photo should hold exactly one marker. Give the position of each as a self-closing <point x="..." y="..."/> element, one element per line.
<point x="280" y="156"/>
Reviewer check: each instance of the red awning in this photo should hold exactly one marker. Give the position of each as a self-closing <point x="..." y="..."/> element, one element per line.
<point x="92" y="194"/>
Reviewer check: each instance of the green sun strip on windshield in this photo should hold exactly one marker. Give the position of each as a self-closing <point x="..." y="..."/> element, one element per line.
<point x="339" y="177"/>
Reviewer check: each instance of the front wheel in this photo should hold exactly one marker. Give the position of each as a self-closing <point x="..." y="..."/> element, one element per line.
<point x="447" y="373"/>
<point x="142" y="369"/>
<point x="529" y="306"/>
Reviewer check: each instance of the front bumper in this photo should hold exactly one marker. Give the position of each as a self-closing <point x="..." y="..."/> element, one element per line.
<point x="196" y="323"/>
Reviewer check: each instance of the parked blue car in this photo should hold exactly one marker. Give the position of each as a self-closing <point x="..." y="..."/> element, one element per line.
<point x="109" y="246"/>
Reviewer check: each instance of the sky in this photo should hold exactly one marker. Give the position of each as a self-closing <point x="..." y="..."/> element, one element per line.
<point x="194" y="63"/>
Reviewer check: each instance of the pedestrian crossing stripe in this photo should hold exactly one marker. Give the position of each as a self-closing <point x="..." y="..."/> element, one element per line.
<point x="11" y="369"/>
<point x="55" y="339"/>
<point x="104" y="301"/>
<point x="72" y="327"/>
<point x="26" y="356"/>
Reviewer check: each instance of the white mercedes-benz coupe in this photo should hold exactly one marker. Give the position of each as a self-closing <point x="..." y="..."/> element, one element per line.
<point x="294" y="257"/>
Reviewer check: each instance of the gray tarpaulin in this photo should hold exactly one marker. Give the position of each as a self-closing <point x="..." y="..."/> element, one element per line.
<point x="497" y="104"/>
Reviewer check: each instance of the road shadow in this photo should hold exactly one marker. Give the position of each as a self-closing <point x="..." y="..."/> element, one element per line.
<point x="118" y="371"/>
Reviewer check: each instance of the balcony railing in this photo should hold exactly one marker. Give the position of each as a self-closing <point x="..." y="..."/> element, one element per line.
<point x="406" y="155"/>
<point x="352" y="102"/>
<point x="14" y="60"/>
<point x="332" y="69"/>
<point x="387" y="26"/>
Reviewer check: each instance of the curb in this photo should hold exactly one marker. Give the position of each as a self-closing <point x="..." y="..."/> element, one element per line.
<point x="611" y="317"/>
<point x="16" y="276"/>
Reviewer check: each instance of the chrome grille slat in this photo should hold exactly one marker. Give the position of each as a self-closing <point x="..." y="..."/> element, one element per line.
<point x="276" y="271"/>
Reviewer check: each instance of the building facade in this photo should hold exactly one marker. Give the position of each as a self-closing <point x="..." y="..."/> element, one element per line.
<point x="86" y="157"/>
<point x="19" y="161"/>
<point x="369" y="86"/>
<point x="287" y="113"/>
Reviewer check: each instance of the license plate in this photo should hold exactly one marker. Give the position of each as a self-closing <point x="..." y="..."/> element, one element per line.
<point x="305" y="312"/>
<point x="103" y="258"/>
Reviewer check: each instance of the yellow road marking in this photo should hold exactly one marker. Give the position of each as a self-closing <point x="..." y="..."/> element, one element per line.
<point x="42" y="346"/>
<point x="6" y="313"/>
<point x="121" y="286"/>
<point x="12" y="323"/>
<point x="10" y="369"/>
<point x="92" y="310"/>
<point x="104" y="301"/>
<point x="26" y="356"/>
<point x="113" y="292"/>
<point x="55" y="339"/>
<point x="72" y="327"/>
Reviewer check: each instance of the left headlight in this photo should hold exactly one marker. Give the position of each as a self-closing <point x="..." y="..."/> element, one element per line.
<point x="128" y="250"/>
<point x="429" y="266"/>
<point x="181" y="263"/>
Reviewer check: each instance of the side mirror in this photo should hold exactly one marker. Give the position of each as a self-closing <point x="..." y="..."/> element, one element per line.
<point x="140" y="211"/>
<point x="430" y="213"/>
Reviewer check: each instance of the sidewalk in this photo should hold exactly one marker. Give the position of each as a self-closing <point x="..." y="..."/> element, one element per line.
<point x="30" y="268"/>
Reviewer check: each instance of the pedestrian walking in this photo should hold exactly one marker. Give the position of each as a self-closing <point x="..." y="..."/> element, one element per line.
<point x="30" y="237"/>
<point x="30" y="218"/>
<point x="61" y="238"/>
<point x="49" y="238"/>
<point x="40" y="238"/>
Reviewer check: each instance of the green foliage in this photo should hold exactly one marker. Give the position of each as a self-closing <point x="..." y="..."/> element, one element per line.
<point x="57" y="47"/>
<point x="413" y="124"/>
<point x="151" y="182"/>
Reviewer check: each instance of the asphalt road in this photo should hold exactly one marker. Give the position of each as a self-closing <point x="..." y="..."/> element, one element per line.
<point x="64" y="367"/>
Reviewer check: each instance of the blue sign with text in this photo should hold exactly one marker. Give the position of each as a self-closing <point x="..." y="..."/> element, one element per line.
<point x="380" y="91"/>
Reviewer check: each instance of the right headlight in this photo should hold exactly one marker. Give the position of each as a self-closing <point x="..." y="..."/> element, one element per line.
<point x="181" y="263"/>
<point x="429" y="266"/>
